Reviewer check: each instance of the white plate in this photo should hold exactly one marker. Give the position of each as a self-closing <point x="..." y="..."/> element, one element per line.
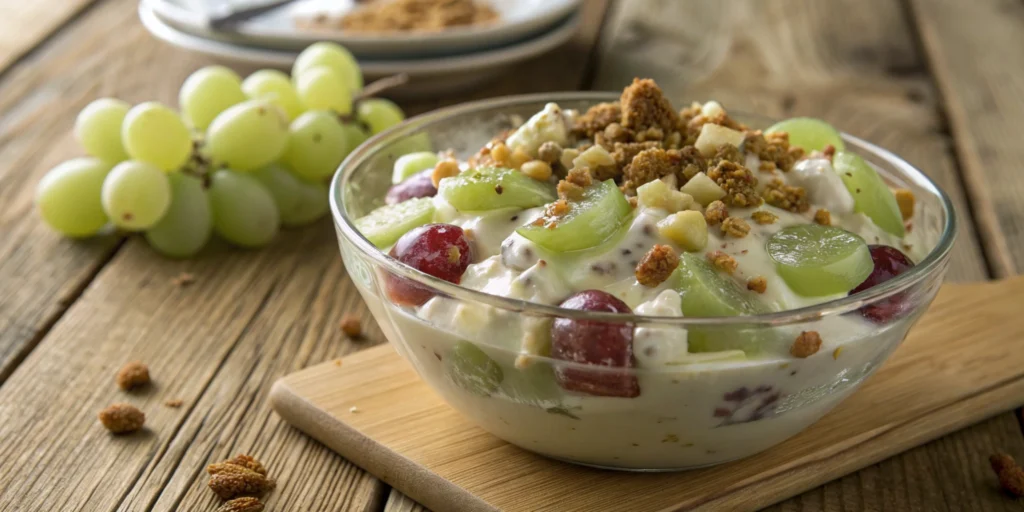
<point x="427" y="77"/>
<point x="520" y="19"/>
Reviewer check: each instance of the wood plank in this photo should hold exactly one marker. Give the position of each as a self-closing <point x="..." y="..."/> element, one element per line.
<point x="23" y="25"/>
<point x="957" y="367"/>
<point x="250" y="317"/>
<point x="975" y="51"/>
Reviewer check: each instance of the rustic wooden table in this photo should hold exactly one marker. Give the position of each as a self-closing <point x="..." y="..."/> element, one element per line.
<point x="937" y="81"/>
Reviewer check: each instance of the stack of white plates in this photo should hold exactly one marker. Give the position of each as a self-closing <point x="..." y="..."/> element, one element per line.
<point x="436" y="62"/>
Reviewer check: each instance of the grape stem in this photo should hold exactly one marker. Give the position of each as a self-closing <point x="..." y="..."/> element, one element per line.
<point x="374" y="88"/>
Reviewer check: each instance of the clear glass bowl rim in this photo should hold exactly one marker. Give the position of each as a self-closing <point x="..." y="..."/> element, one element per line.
<point x="931" y="264"/>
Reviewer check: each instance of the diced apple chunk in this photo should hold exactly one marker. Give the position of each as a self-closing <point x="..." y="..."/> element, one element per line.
<point x="712" y="109"/>
<point x="658" y="194"/>
<point x="595" y="156"/>
<point x="687" y="229"/>
<point x="713" y="136"/>
<point x="703" y="189"/>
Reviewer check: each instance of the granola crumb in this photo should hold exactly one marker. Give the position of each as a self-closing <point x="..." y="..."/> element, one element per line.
<point x="571" y="188"/>
<point x="787" y="197"/>
<point x="244" y="504"/>
<point x="597" y="118"/>
<point x="649" y="165"/>
<point x="644" y="106"/>
<point x="240" y="476"/>
<point x="738" y="183"/>
<point x="723" y="261"/>
<point x="174" y="403"/>
<point x="350" y="326"/>
<point x="1011" y="476"/>
<point x="122" y="418"/>
<point x="823" y="217"/>
<point x="757" y="284"/>
<point x="735" y="227"/>
<point x="183" y="279"/>
<point x="764" y="217"/>
<point x="715" y="213"/>
<point x="806" y="344"/>
<point x="905" y="200"/>
<point x="133" y="375"/>
<point x="657" y="265"/>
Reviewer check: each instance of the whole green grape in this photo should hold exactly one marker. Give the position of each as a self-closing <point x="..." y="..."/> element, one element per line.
<point x="98" y="129"/>
<point x="244" y="212"/>
<point x="299" y="201"/>
<point x="319" y="88"/>
<point x="334" y="57"/>
<point x="379" y="114"/>
<point x="68" y="197"/>
<point x="275" y="87"/>
<point x="155" y="134"/>
<point x="317" y="143"/>
<point x="208" y="92"/>
<point x="247" y="136"/>
<point x="136" y="195"/>
<point x="355" y="134"/>
<point x="186" y="227"/>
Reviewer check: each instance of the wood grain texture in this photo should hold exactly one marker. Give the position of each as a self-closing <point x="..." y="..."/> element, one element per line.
<point x="975" y="50"/>
<point x="218" y="344"/>
<point x="956" y="367"/>
<point x="24" y="24"/>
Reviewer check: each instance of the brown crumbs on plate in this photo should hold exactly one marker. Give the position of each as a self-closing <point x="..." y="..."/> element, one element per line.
<point x="416" y="16"/>
<point x="763" y="217"/>
<point x="657" y="265"/>
<point x="183" y="279"/>
<point x="1011" y="476"/>
<point x="735" y="227"/>
<point x="905" y="200"/>
<point x="823" y="217"/>
<point x="806" y="344"/>
<point x="787" y="197"/>
<point x="133" y="375"/>
<point x="122" y="418"/>
<point x="715" y="213"/>
<point x="723" y="261"/>
<point x="350" y="326"/>
<point x="757" y="284"/>
<point x="241" y="476"/>
<point x="244" y="504"/>
<point x="174" y="403"/>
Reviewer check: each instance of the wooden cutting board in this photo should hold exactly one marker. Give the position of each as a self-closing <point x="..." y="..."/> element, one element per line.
<point x="962" y="363"/>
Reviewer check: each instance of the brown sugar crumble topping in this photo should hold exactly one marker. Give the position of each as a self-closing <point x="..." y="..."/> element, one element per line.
<point x="241" y="476"/>
<point x="657" y="265"/>
<point x="735" y="227"/>
<point x="133" y="375"/>
<point x="122" y="418"/>
<point x="757" y="284"/>
<point x="738" y="183"/>
<point x="414" y="16"/>
<point x="787" y="197"/>
<point x="723" y="261"/>
<point x="806" y="344"/>
<point x="823" y="217"/>
<point x="715" y="213"/>
<point x="1011" y="475"/>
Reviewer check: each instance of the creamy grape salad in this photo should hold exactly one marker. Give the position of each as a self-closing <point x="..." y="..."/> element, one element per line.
<point x="634" y="207"/>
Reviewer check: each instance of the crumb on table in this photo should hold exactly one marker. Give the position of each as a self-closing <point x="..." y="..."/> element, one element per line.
<point x="1011" y="475"/>
<point x="122" y="418"/>
<point x="183" y="279"/>
<point x="174" y="403"/>
<point x="133" y="375"/>
<point x="240" y="476"/>
<point x="351" y="326"/>
<point x="244" y="504"/>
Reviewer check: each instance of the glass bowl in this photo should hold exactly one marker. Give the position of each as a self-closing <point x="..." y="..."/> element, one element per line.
<point x="700" y="411"/>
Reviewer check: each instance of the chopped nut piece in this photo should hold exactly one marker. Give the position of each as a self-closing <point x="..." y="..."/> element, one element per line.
<point x="549" y="152"/>
<point x="501" y="154"/>
<point x="655" y="267"/>
<point x="174" y="403"/>
<point x="687" y="229"/>
<point x="245" y="504"/>
<point x="723" y="261"/>
<point x="757" y="284"/>
<point x="735" y="227"/>
<point x="241" y="476"/>
<point x="644" y="106"/>
<point x="133" y="375"/>
<point x="787" y="197"/>
<point x="122" y="418"/>
<point x="520" y="157"/>
<point x="806" y="344"/>
<point x="737" y="182"/>
<point x="1011" y="476"/>
<point x="537" y="169"/>
<point x="350" y="326"/>
<point x="763" y="217"/>
<point x="703" y="189"/>
<point x="444" y="169"/>
<point x="823" y="217"/>
<point x="715" y="213"/>
<point x="183" y="279"/>
<point x="905" y="200"/>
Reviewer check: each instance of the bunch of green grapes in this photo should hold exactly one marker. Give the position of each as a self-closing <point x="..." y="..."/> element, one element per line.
<point x="240" y="158"/>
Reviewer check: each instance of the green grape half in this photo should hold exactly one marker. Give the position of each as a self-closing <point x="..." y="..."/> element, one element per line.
<point x="379" y="114"/>
<point x="472" y="369"/>
<point x="410" y="164"/>
<point x="491" y="188"/>
<point x="275" y="87"/>
<point x="317" y="143"/>
<point x="319" y="88"/>
<point x="590" y="221"/>
<point x="98" y="129"/>
<point x="244" y="212"/>
<point x="817" y="260"/>
<point x="871" y="196"/>
<point x="208" y="92"/>
<point x="334" y="57"/>
<point x="155" y="134"/>
<point x="136" y="195"/>
<point x="68" y="197"/>
<point x="299" y="201"/>
<point x="248" y="136"/>
<point x="385" y="225"/>
<point x="186" y="227"/>
<point x="809" y="133"/>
